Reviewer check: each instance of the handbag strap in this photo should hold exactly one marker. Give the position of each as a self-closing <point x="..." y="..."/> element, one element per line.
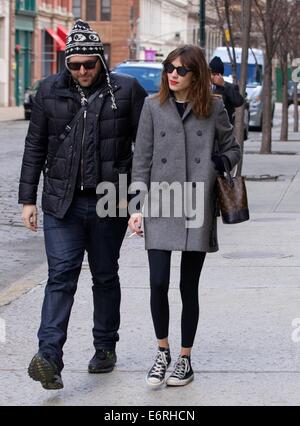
<point x="228" y="173"/>
<point x="70" y="126"/>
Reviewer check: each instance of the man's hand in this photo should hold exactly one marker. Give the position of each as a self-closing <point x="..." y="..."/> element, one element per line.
<point x="135" y="223"/>
<point x="29" y="216"/>
<point x="218" y="80"/>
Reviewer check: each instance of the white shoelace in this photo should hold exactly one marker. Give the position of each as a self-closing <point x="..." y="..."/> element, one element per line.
<point x="160" y="365"/>
<point x="181" y="368"/>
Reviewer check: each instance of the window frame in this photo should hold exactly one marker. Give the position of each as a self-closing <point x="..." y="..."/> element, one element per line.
<point x="87" y="10"/>
<point x="77" y="7"/>
<point x="104" y="15"/>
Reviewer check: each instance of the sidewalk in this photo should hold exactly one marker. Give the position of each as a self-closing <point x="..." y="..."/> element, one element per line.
<point x="244" y="353"/>
<point x="11" y="113"/>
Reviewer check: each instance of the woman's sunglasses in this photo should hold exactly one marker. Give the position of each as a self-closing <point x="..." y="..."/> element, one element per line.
<point x="88" y="65"/>
<point x="182" y="71"/>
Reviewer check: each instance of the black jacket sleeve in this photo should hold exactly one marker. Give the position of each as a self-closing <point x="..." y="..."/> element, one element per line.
<point x="232" y="95"/>
<point x="35" y="152"/>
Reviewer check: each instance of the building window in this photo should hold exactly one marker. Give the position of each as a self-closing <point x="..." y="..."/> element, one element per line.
<point x="77" y="8"/>
<point x="25" y="5"/>
<point x="105" y="10"/>
<point x="47" y="54"/>
<point x="91" y="10"/>
<point x="20" y="5"/>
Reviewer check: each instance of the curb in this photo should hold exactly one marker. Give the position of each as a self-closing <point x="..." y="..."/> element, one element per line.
<point x="11" y="113"/>
<point x="23" y="285"/>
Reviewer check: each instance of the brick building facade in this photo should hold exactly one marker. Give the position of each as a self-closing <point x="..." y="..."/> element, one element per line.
<point x="53" y="21"/>
<point x="33" y="45"/>
<point x="115" y="21"/>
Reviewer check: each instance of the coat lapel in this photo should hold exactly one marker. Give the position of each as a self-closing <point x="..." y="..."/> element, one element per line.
<point x="173" y="108"/>
<point x="186" y="112"/>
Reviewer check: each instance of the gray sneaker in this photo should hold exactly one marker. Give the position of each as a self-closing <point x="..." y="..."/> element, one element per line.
<point x="182" y="373"/>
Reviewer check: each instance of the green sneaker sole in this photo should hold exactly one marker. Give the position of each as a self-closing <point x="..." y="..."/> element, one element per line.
<point x="40" y="370"/>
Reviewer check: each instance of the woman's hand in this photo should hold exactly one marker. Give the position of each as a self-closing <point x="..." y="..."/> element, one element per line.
<point x="135" y="223"/>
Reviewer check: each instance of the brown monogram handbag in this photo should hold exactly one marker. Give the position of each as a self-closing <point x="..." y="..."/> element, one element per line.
<point x="232" y="198"/>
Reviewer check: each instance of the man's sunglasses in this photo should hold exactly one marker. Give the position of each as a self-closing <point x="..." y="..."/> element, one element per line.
<point x="182" y="71"/>
<point x="88" y="65"/>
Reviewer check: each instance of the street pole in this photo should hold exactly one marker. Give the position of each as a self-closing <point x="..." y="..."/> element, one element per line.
<point x="202" y="23"/>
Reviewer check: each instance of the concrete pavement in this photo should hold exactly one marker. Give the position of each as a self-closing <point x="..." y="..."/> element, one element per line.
<point x="21" y="251"/>
<point x="11" y="113"/>
<point x="246" y="350"/>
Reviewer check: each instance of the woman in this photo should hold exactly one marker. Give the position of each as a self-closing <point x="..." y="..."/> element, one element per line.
<point x="184" y="136"/>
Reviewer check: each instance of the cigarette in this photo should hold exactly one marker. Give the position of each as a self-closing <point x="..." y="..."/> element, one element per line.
<point x="132" y="235"/>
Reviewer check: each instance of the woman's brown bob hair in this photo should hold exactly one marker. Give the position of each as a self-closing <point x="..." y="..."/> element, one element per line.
<point x="200" y="93"/>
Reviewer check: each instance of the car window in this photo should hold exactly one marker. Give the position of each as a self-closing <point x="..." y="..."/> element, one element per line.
<point x="254" y="73"/>
<point x="149" y="78"/>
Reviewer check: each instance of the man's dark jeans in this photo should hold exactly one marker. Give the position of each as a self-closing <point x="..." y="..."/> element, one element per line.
<point x="66" y="241"/>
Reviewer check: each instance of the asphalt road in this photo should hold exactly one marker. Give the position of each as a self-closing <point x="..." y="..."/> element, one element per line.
<point x="21" y="251"/>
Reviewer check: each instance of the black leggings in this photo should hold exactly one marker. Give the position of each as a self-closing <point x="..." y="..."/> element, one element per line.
<point x="190" y="270"/>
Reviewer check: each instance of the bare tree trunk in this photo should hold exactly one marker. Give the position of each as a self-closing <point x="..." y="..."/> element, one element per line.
<point x="296" y="110"/>
<point x="239" y="115"/>
<point x="285" y="105"/>
<point x="266" y="145"/>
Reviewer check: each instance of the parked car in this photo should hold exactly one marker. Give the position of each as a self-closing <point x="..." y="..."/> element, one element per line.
<point x="29" y="98"/>
<point x="147" y="73"/>
<point x="256" y="108"/>
<point x="291" y="93"/>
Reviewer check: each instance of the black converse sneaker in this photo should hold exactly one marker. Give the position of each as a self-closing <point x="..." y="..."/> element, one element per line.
<point x="156" y="375"/>
<point x="182" y="373"/>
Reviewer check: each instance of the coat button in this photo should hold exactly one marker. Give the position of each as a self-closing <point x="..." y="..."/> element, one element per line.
<point x="197" y="160"/>
<point x="164" y="160"/>
<point x="162" y="134"/>
<point x="199" y="133"/>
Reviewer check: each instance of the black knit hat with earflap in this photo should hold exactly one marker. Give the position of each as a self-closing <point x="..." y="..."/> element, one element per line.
<point x="216" y="65"/>
<point x="82" y="40"/>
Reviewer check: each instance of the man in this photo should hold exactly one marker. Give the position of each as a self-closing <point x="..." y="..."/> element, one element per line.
<point x="75" y="155"/>
<point x="230" y="92"/>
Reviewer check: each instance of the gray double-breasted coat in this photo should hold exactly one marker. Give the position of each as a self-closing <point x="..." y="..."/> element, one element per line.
<point x="172" y="149"/>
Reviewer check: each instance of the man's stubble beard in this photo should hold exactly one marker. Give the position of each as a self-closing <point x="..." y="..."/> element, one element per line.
<point x="94" y="79"/>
